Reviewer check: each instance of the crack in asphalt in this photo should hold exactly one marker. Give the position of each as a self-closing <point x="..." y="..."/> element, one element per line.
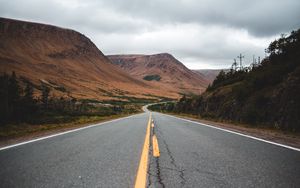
<point x="172" y="161"/>
<point x="157" y="166"/>
<point x="149" y="174"/>
<point x="158" y="173"/>
<point x="149" y="168"/>
<point x="180" y="171"/>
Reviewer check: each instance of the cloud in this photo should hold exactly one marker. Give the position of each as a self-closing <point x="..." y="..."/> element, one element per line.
<point x="200" y="33"/>
<point x="259" y="17"/>
<point x="210" y="45"/>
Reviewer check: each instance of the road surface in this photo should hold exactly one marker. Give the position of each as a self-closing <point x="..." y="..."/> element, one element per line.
<point x="109" y="155"/>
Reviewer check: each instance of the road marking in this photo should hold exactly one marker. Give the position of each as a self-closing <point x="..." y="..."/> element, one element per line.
<point x="155" y="146"/>
<point x="141" y="177"/>
<point x="237" y="133"/>
<point x="62" y="133"/>
<point x="152" y="125"/>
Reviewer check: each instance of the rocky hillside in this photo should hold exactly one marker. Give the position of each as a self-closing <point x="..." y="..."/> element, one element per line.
<point x="162" y="70"/>
<point x="66" y="61"/>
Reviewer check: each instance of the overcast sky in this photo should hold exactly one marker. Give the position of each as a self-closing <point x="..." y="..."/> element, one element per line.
<point x="200" y="33"/>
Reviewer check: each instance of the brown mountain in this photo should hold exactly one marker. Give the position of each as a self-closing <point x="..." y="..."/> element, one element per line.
<point x="163" y="70"/>
<point x="65" y="60"/>
<point x="209" y="74"/>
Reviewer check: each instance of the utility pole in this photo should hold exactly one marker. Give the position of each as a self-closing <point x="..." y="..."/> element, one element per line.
<point x="254" y="60"/>
<point x="234" y="65"/>
<point x="253" y="64"/>
<point x="241" y="61"/>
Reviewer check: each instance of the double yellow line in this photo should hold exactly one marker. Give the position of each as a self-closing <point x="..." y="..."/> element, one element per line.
<point x="141" y="178"/>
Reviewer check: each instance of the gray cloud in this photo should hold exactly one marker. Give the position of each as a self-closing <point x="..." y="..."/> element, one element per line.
<point x="260" y="17"/>
<point x="201" y="33"/>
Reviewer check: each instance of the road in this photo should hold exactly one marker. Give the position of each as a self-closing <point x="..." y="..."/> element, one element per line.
<point x="192" y="155"/>
<point x="109" y="155"/>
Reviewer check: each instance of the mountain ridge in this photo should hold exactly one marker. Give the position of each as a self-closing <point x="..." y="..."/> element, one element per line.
<point x="209" y="74"/>
<point x="174" y="75"/>
<point x="67" y="58"/>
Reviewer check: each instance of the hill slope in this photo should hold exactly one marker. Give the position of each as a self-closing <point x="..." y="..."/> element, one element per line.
<point x="266" y="94"/>
<point x="208" y="74"/>
<point x="64" y="58"/>
<point x="163" y="70"/>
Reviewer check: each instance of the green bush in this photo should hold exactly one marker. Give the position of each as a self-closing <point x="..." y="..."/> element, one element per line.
<point x="155" y="77"/>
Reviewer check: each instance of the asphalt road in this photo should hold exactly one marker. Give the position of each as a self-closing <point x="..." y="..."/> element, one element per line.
<point x="108" y="155"/>
<point x="192" y="155"/>
<point x="102" y="156"/>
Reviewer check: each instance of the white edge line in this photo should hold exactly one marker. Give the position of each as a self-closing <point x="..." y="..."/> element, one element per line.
<point x="237" y="133"/>
<point x="62" y="133"/>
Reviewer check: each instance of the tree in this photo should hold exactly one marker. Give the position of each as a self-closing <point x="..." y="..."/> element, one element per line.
<point x="45" y="95"/>
<point x="28" y="96"/>
<point x="14" y="94"/>
<point x="4" y="102"/>
<point x="10" y="94"/>
<point x="219" y="79"/>
<point x="13" y="89"/>
<point x="29" y="104"/>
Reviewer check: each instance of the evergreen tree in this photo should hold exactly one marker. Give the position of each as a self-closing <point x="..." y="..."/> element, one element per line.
<point x="28" y="96"/>
<point x="29" y="104"/>
<point x="4" y="102"/>
<point x="45" y="95"/>
<point x="13" y="89"/>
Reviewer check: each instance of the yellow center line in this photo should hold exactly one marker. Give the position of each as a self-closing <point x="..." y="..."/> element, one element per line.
<point x="141" y="177"/>
<point x="155" y="146"/>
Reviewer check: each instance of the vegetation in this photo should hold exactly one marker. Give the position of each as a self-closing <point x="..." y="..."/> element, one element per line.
<point x="20" y="107"/>
<point x="163" y="107"/>
<point x="264" y="94"/>
<point x="155" y="77"/>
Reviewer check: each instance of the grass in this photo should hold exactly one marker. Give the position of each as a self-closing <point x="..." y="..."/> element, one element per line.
<point x="56" y="120"/>
<point x="264" y="129"/>
<point x="14" y="131"/>
<point x="46" y="122"/>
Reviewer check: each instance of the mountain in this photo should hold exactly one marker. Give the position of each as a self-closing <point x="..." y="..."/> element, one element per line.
<point x="163" y="70"/>
<point x="67" y="61"/>
<point x="208" y="74"/>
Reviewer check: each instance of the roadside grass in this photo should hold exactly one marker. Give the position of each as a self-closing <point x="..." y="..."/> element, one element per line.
<point x="223" y="122"/>
<point x="168" y="108"/>
<point x="10" y="132"/>
<point x="51" y="121"/>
